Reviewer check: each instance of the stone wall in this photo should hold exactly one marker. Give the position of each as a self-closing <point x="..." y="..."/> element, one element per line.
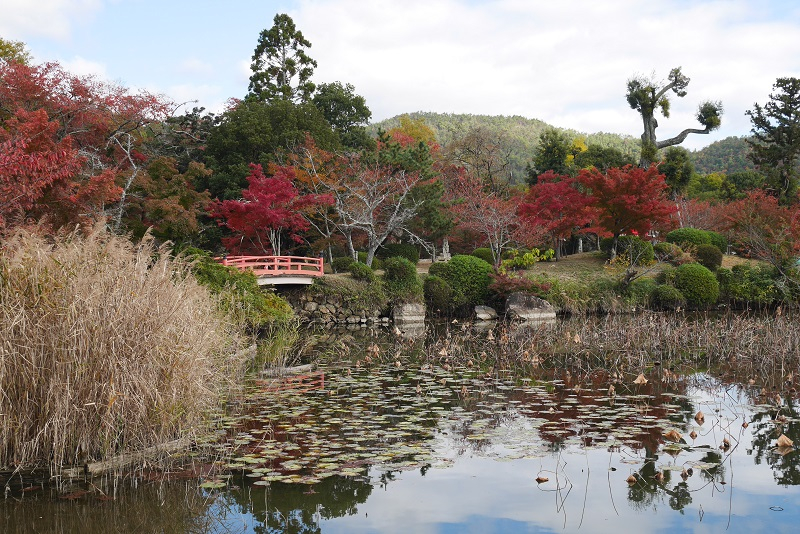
<point x="338" y="301"/>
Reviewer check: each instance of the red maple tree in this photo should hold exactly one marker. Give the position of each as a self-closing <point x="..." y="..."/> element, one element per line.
<point x="764" y="228"/>
<point x="270" y="208"/>
<point x="88" y="132"/>
<point x="556" y="207"/>
<point x="627" y="200"/>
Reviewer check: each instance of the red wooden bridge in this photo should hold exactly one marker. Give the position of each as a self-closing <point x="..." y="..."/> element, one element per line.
<point x="273" y="270"/>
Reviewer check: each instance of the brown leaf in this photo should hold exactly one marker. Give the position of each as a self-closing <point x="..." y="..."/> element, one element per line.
<point x="745" y="424"/>
<point x="631" y="480"/>
<point x="673" y="435"/>
<point x="611" y="390"/>
<point x="726" y="444"/>
<point x="640" y="380"/>
<point x="700" y="418"/>
<point x="540" y="479"/>
<point x="659" y="476"/>
<point x="684" y="474"/>
<point x="784" y="441"/>
<point x="693" y="435"/>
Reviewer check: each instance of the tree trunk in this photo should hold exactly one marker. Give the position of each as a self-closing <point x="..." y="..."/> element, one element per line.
<point x="614" y="242"/>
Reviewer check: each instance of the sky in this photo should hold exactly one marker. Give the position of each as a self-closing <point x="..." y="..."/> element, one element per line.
<point x="563" y="62"/>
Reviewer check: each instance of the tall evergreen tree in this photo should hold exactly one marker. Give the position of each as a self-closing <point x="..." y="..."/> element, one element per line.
<point x="281" y="68"/>
<point x="776" y="138"/>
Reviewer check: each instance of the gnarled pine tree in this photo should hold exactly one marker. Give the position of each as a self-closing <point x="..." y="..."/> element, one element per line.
<point x="646" y="96"/>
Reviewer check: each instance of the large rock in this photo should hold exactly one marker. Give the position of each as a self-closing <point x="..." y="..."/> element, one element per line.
<point x="528" y="307"/>
<point x="485" y="313"/>
<point x="408" y="313"/>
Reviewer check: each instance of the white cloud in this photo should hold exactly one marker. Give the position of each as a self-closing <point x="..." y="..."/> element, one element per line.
<point x="84" y="67"/>
<point x="564" y="63"/>
<point x="196" y="67"/>
<point x="211" y="97"/>
<point x="22" y="19"/>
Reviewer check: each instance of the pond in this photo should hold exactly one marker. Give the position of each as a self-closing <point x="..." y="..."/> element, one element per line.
<point x="384" y="442"/>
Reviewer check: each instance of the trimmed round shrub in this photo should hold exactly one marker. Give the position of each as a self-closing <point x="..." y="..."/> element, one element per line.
<point x="718" y="240"/>
<point x="469" y="278"/>
<point x="709" y="256"/>
<point x="342" y="264"/>
<point x="401" y="280"/>
<point x="361" y="271"/>
<point x="688" y="236"/>
<point x="438" y="268"/>
<point x="438" y="294"/>
<point x="697" y="237"/>
<point x="666" y="297"/>
<point x="485" y="254"/>
<point x="697" y="284"/>
<point x="398" y="250"/>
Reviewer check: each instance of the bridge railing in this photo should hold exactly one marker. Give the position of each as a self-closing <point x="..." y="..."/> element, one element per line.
<point x="276" y="265"/>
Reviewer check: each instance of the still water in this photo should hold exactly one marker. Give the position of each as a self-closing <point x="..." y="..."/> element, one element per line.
<point x="395" y="446"/>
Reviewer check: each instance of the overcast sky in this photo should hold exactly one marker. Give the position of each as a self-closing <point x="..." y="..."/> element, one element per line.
<point x="564" y="62"/>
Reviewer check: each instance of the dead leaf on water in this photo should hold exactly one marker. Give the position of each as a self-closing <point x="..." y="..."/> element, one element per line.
<point x="700" y="418"/>
<point x="693" y="435"/>
<point x="540" y="479"/>
<point x="631" y="480"/>
<point x="640" y="380"/>
<point x="673" y="435"/>
<point x="784" y="441"/>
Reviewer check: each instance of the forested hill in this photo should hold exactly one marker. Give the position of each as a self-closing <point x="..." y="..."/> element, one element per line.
<point x="728" y="155"/>
<point x="521" y="135"/>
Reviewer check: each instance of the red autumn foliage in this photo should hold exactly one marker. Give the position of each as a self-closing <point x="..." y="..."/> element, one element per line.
<point x="490" y="214"/>
<point x="270" y="206"/>
<point x="628" y="199"/>
<point x="68" y="142"/>
<point x="556" y="207"/>
<point x="764" y="228"/>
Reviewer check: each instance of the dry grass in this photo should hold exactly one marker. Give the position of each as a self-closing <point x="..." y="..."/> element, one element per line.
<point x="105" y="347"/>
<point x="765" y="347"/>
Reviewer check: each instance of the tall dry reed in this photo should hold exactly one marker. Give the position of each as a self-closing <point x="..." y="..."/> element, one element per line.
<point x="105" y="347"/>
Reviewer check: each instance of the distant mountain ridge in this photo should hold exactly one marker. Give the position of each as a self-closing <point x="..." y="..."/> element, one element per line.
<point x="727" y="155"/>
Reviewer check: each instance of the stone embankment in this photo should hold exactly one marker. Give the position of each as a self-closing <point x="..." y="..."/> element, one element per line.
<point x="320" y="307"/>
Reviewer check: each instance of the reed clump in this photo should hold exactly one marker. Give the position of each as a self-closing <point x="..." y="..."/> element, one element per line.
<point x="106" y="347"/>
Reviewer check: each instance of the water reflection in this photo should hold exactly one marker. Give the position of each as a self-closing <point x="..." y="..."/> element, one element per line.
<point x="398" y="445"/>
